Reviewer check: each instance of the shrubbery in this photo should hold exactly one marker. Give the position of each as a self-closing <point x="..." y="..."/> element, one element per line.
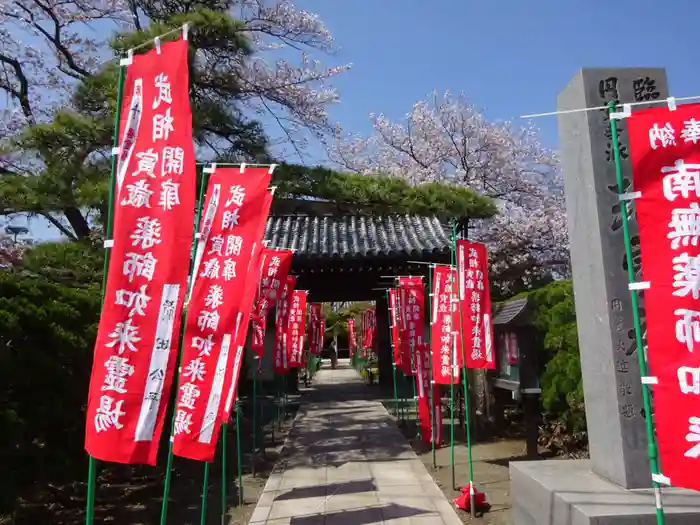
<point x="47" y="333"/>
<point x="564" y="430"/>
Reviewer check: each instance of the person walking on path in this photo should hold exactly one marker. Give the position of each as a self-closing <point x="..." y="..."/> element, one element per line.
<point x="334" y="354"/>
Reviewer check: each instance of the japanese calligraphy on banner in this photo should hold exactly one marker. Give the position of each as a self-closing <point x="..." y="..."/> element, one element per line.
<point x="315" y="337"/>
<point x="322" y="332"/>
<point x="423" y="391"/>
<point x="412" y="303"/>
<point x="246" y="307"/>
<point x="136" y="344"/>
<point x="275" y="268"/>
<point x="394" y="326"/>
<point x="475" y="305"/>
<point x="282" y="346"/>
<point x="352" y="337"/>
<point x="444" y="324"/>
<point x="296" y="328"/>
<point x="367" y="322"/>
<point x="407" y="365"/>
<point x="665" y="155"/>
<point x="214" y="314"/>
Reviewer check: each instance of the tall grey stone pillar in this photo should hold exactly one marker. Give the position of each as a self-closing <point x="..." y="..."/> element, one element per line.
<point x="611" y="382"/>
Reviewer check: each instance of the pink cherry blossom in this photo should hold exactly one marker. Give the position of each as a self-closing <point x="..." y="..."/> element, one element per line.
<point x="444" y="138"/>
<point x="48" y="45"/>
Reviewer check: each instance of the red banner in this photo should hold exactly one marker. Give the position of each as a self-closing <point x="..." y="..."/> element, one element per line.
<point x="214" y="314"/>
<point x="475" y="305"/>
<point x="423" y="392"/>
<point x="665" y="154"/>
<point x="404" y="349"/>
<point x="321" y="333"/>
<point x="394" y="326"/>
<point x="296" y="328"/>
<point x="443" y="324"/>
<point x="372" y="319"/>
<point x="275" y="268"/>
<point x="136" y="344"/>
<point x="352" y="338"/>
<point x="412" y="303"/>
<point x="367" y="325"/>
<point x="315" y="338"/>
<point x="241" y="332"/>
<point x="282" y="346"/>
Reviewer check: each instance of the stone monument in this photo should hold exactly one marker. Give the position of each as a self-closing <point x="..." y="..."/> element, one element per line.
<point x="613" y="487"/>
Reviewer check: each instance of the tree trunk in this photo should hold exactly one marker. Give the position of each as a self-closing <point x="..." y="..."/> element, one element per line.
<point x="78" y="222"/>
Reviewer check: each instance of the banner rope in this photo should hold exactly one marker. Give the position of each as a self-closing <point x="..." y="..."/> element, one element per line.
<point x="671" y="101"/>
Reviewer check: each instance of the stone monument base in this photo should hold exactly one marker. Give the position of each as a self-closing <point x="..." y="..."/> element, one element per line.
<point x="566" y="492"/>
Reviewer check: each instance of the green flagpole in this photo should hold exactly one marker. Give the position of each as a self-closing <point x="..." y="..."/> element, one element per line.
<point x="224" y="468"/>
<point x="452" y="427"/>
<point x="433" y="417"/>
<point x="238" y="452"/>
<point x="92" y="462"/>
<point x="205" y="494"/>
<point x="465" y="382"/>
<point x="169" y="461"/>
<point x="255" y="412"/>
<point x="453" y="257"/>
<point x="646" y="395"/>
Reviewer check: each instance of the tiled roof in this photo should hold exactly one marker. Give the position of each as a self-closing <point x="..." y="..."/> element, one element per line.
<point x="508" y="311"/>
<point x="354" y="236"/>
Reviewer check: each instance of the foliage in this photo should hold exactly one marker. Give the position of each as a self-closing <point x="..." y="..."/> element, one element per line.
<point x="445" y="139"/>
<point x="77" y="263"/>
<point x="561" y="382"/>
<point x="380" y="193"/>
<point x="337" y="320"/>
<point x="47" y="333"/>
<point x="57" y="128"/>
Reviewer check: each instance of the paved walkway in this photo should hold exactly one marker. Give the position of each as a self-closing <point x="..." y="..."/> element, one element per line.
<point x="346" y="462"/>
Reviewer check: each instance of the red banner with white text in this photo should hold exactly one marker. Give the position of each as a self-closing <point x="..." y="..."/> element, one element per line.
<point x="275" y="268"/>
<point x="444" y="324"/>
<point x="352" y="337"/>
<point x="154" y="204"/>
<point x="322" y="332"/>
<point x="282" y="346"/>
<point x="412" y="305"/>
<point x="425" y="415"/>
<point x="665" y="155"/>
<point x="394" y="326"/>
<point x="315" y="340"/>
<point x="297" y="328"/>
<point x="214" y="311"/>
<point x="241" y="332"/>
<point x="407" y="365"/>
<point x="475" y="305"/>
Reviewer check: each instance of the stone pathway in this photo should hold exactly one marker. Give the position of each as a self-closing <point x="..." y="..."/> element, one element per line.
<point x="345" y="462"/>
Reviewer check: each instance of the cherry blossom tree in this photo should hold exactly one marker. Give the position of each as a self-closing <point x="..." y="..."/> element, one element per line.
<point x="446" y="139"/>
<point x="10" y="252"/>
<point x="57" y="59"/>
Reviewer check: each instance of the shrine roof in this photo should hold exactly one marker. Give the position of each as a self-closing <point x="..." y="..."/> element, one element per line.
<point x="509" y="311"/>
<point x="357" y="236"/>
